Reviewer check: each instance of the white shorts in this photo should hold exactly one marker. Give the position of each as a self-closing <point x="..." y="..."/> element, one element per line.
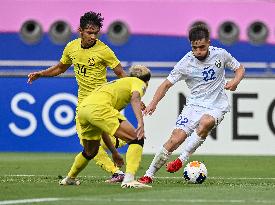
<point x="190" y="117"/>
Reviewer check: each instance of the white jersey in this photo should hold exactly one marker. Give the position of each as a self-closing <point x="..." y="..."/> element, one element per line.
<point x="205" y="79"/>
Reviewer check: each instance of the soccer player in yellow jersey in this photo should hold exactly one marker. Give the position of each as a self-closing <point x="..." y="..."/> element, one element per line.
<point x="90" y="58"/>
<point x="99" y="116"/>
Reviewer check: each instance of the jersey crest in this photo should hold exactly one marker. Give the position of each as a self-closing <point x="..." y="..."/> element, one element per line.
<point x="91" y="62"/>
<point x="218" y="63"/>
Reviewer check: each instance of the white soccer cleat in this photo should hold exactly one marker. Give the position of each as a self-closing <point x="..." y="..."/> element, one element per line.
<point x="69" y="181"/>
<point x="134" y="184"/>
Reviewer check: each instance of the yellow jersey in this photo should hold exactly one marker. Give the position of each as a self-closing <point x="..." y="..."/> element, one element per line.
<point x="90" y="65"/>
<point x="116" y="93"/>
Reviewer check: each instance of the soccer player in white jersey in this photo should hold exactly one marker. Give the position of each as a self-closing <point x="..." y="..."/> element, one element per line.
<point x="203" y="71"/>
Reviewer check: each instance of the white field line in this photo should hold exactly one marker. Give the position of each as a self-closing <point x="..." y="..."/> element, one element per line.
<point x="141" y="200"/>
<point x="150" y="200"/>
<point x="26" y="201"/>
<point x="99" y="177"/>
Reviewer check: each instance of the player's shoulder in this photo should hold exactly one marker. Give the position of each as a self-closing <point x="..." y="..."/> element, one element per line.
<point x="74" y="42"/>
<point x="73" y="45"/>
<point x="137" y="84"/>
<point x="216" y="50"/>
<point x="132" y="80"/>
<point x="185" y="60"/>
<point x="188" y="56"/>
<point x="101" y="45"/>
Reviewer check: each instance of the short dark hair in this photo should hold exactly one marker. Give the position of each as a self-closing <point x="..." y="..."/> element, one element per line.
<point x="91" y="18"/>
<point x="198" y="32"/>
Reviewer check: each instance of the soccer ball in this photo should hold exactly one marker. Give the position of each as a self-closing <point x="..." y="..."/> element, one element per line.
<point x="195" y="172"/>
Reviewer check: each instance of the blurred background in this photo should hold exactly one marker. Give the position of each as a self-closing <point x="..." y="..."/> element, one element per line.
<point x="40" y="117"/>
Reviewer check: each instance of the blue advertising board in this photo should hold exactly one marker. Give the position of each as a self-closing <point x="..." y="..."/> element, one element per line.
<point x="40" y="117"/>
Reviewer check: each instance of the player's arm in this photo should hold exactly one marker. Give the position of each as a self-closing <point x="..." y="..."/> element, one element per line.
<point x="50" y="72"/>
<point x="116" y="156"/>
<point x="136" y="105"/>
<point x="118" y="70"/>
<point x="233" y="83"/>
<point x="159" y="94"/>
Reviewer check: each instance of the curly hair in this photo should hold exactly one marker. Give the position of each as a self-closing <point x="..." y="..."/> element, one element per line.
<point x="91" y="18"/>
<point x="198" y="32"/>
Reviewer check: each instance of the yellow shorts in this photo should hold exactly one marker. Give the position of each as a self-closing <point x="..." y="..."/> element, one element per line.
<point x="117" y="142"/>
<point x="95" y="119"/>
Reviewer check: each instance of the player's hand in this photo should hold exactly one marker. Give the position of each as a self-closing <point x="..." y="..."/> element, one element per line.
<point x="33" y="76"/>
<point x="231" y="85"/>
<point x="140" y="131"/>
<point x="118" y="160"/>
<point x="149" y="109"/>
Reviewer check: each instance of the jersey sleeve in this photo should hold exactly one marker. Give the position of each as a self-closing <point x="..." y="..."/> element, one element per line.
<point x="179" y="71"/>
<point x="230" y="61"/>
<point x="110" y="58"/>
<point x="65" y="59"/>
<point x="139" y="86"/>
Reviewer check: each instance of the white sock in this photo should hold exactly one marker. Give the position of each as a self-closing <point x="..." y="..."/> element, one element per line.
<point x="119" y="172"/>
<point x="128" y="177"/>
<point x="159" y="160"/>
<point x="193" y="142"/>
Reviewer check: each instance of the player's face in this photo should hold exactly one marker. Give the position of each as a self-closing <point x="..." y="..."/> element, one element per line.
<point x="89" y="35"/>
<point x="200" y="48"/>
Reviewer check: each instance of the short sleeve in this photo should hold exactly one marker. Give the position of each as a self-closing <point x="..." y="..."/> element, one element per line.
<point x="230" y="61"/>
<point x="140" y="86"/>
<point x="179" y="71"/>
<point x="65" y="59"/>
<point x="110" y="58"/>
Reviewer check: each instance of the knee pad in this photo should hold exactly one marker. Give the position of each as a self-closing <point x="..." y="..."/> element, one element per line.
<point x="86" y="156"/>
<point x="136" y="141"/>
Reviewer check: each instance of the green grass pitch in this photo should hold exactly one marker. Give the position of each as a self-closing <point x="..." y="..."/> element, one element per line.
<point x="32" y="178"/>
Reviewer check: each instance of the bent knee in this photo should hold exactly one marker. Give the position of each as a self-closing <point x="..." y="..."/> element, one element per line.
<point x="206" y="123"/>
<point x="90" y="153"/>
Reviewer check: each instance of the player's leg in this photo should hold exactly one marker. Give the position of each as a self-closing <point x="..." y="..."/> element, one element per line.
<point x="126" y="131"/>
<point x="81" y="160"/>
<point x="184" y="125"/>
<point x="90" y="140"/>
<point x="103" y="160"/>
<point x="208" y="120"/>
<point x="176" y="139"/>
<point x="112" y="122"/>
<point x="192" y="143"/>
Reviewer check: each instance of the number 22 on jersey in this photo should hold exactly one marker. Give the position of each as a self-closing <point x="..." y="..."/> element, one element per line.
<point x="208" y="74"/>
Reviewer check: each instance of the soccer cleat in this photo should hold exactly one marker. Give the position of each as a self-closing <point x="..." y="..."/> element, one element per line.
<point x="174" y="166"/>
<point x="115" y="178"/>
<point x="145" y="180"/>
<point x="134" y="184"/>
<point x="69" y="181"/>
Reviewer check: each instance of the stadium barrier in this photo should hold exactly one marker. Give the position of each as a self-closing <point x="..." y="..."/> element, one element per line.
<point x="40" y="117"/>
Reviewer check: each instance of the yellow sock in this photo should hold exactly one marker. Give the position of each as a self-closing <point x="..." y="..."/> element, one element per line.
<point x="103" y="160"/>
<point x="133" y="158"/>
<point x="79" y="164"/>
